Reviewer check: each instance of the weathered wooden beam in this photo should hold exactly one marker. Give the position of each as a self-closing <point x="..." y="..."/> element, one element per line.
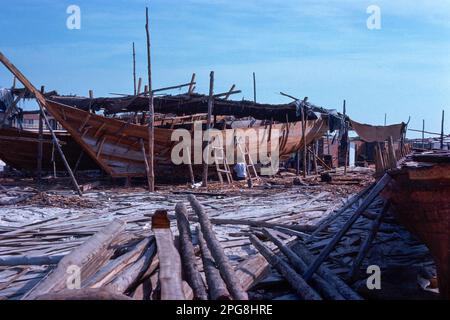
<point x="114" y="267"/>
<point x="347" y="292"/>
<point x="87" y="258"/>
<point x="295" y="280"/>
<point x="216" y="287"/>
<point x="365" y="246"/>
<point x="29" y="260"/>
<point x="226" y="270"/>
<point x="169" y="259"/>
<point x="327" y="291"/>
<point x="129" y="277"/>
<point x="187" y="253"/>
<point x="381" y="184"/>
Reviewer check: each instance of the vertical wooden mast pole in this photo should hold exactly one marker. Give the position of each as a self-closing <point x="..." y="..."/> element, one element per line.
<point x="40" y="146"/>
<point x="254" y="87"/>
<point x="134" y="70"/>
<point x="151" y="115"/>
<point x="346" y="137"/>
<point x="423" y="134"/>
<point x="208" y="126"/>
<point x="442" y="130"/>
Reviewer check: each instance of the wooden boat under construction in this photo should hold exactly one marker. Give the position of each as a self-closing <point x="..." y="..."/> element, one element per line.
<point x="117" y="145"/>
<point x="420" y="194"/>
<point x="18" y="149"/>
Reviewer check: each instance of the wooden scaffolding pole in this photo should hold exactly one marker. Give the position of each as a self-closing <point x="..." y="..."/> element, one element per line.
<point x="305" y="151"/>
<point x="346" y="142"/>
<point x="442" y="130"/>
<point x="423" y="134"/>
<point x="40" y="146"/>
<point x="42" y="105"/>
<point x="208" y="125"/>
<point x="151" y="115"/>
<point x="134" y="70"/>
<point x="254" y="87"/>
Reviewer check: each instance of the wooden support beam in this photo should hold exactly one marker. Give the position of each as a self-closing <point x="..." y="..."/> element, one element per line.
<point x="40" y="146"/>
<point x="442" y="129"/>
<point x="134" y="71"/>
<point x="346" y="136"/>
<point x="254" y="87"/>
<point x="147" y="167"/>
<point x="226" y="270"/>
<point x="295" y="280"/>
<point x="381" y="184"/>
<point x="42" y="105"/>
<point x="192" y="275"/>
<point x="169" y="259"/>
<point x="151" y="113"/>
<point x="208" y="126"/>
<point x="304" y="135"/>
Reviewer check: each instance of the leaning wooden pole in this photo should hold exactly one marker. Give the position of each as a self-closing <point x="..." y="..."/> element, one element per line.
<point x="151" y="113"/>
<point x="188" y="259"/>
<point x="42" y="106"/>
<point x="208" y="126"/>
<point x="226" y="270"/>
<point x="254" y="87"/>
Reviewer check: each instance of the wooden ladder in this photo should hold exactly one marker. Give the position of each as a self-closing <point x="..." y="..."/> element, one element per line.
<point x="252" y="175"/>
<point x="220" y="158"/>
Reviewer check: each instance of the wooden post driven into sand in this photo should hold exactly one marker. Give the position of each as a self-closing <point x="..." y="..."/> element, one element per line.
<point x="151" y="113"/>
<point x="40" y="145"/>
<point x="42" y="105"/>
<point x="208" y="126"/>
<point x="305" y="152"/>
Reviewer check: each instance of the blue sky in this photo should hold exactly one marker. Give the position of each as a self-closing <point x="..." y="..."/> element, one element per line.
<point x="315" y="48"/>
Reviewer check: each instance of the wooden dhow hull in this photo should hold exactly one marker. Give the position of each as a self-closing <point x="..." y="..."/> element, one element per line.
<point x="18" y="149"/>
<point x="420" y="195"/>
<point x="116" y="145"/>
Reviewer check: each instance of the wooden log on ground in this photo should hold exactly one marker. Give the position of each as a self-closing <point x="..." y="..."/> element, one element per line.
<point x="88" y="258"/>
<point x="84" y="294"/>
<point x="216" y="287"/>
<point x="257" y="224"/>
<point x="30" y="260"/>
<point x="129" y="277"/>
<point x="295" y="280"/>
<point x="226" y="270"/>
<point x="365" y="246"/>
<point x="367" y="201"/>
<point x="169" y="259"/>
<point x="187" y="253"/>
<point x="347" y="292"/>
<point x="114" y="267"/>
<point x="327" y="291"/>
